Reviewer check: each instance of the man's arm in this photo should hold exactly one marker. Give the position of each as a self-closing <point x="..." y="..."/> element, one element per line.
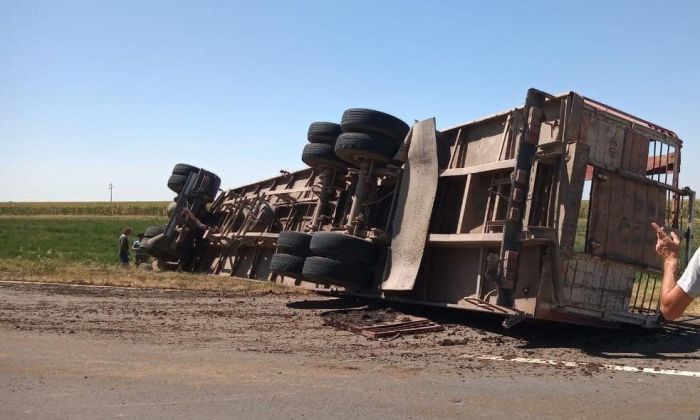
<point x="673" y="299"/>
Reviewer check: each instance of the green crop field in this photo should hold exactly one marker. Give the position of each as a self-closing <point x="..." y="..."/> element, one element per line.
<point x="103" y="208"/>
<point x="68" y="238"/>
<point x="75" y="232"/>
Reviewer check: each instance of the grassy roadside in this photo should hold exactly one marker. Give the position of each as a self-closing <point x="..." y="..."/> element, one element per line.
<point x="17" y="269"/>
<point x="82" y="249"/>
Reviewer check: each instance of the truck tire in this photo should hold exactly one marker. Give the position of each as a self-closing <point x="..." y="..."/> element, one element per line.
<point x="323" y="132"/>
<point x="356" y="147"/>
<point x="176" y="182"/>
<point x="184" y="169"/>
<point x="158" y="247"/>
<point x="212" y="190"/>
<point x="343" y="247"/>
<point x="321" y="155"/>
<point x="329" y="271"/>
<point x="152" y="231"/>
<point x="265" y="215"/>
<point x="374" y="122"/>
<point x="287" y="265"/>
<point x="294" y="243"/>
<point x="146" y="246"/>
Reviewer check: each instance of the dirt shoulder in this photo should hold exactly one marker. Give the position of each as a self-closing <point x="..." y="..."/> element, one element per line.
<point x="112" y="275"/>
<point x="250" y="318"/>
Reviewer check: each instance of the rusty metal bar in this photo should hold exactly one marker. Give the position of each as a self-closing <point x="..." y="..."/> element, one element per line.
<point x="636" y="296"/>
<point x="651" y="298"/>
<point x="527" y="147"/>
<point x="327" y="187"/>
<point x="364" y="177"/>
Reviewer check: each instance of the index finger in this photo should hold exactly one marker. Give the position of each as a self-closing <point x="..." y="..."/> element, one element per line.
<point x="660" y="233"/>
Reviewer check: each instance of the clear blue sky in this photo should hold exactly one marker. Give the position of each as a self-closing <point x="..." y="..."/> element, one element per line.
<point x="93" y="92"/>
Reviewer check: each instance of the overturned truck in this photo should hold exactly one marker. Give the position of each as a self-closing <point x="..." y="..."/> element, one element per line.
<point x="542" y="211"/>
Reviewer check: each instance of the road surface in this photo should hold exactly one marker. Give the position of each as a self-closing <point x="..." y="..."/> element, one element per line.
<point x="103" y="352"/>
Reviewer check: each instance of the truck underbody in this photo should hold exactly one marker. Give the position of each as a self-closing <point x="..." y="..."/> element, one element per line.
<point x="542" y="212"/>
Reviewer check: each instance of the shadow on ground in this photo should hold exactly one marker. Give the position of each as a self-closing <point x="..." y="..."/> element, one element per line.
<point x="671" y="341"/>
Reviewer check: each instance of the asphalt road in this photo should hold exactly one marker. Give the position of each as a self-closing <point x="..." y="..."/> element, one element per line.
<point x="106" y="353"/>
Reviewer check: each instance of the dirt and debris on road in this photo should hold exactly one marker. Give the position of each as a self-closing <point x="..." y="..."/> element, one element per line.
<point x="288" y="322"/>
<point x="87" y="351"/>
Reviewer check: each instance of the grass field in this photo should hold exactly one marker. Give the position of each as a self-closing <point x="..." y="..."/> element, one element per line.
<point x="50" y="233"/>
<point x="112" y="275"/>
<point x="84" y="239"/>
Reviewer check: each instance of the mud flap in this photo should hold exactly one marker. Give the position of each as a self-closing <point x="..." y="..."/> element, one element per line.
<point x="414" y="207"/>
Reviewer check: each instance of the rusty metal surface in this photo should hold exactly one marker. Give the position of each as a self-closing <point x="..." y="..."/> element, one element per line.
<point x="413" y="208"/>
<point x="620" y="213"/>
<point x="366" y="323"/>
<point x="635" y="153"/>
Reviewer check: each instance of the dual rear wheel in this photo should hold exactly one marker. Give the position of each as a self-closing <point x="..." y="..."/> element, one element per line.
<point x="326" y="257"/>
<point x="335" y="258"/>
<point x="182" y="171"/>
<point x="362" y="135"/>
<point x="292" y="251"/>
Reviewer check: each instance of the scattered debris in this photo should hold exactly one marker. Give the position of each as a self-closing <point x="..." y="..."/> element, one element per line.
<point x="379" y="323"/>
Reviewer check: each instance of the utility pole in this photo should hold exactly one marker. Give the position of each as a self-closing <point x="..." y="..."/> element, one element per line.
<point x="111" y="187"/>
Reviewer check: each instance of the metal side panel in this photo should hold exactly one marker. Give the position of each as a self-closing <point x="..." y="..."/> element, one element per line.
<point x="413" y="208"/>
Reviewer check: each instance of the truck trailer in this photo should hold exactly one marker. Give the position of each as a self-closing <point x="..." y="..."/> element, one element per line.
<point x="542" y="211"/>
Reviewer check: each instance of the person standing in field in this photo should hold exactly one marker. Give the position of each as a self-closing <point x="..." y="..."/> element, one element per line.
<point x="124" y="247"/>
